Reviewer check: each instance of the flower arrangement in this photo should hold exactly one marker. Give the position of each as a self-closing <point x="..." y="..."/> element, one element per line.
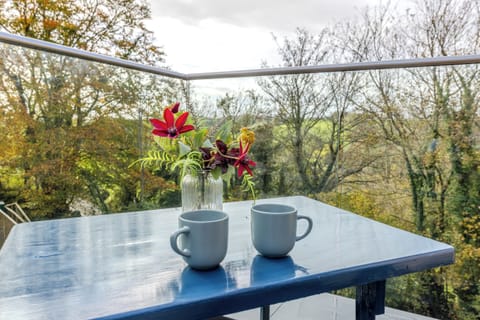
<point x="188" y="149"/>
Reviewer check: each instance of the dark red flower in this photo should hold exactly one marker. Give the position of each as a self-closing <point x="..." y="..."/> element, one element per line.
<point x="174" y="107"/>
<point x="170" y="127"/>
<point x="221" y="158"/>
<point x="207" y="157"/>
<point x="206" y="153"/>
<point x="243" y="162"/>
<point x="221" y="146"/>
<point x="233" y="155"/>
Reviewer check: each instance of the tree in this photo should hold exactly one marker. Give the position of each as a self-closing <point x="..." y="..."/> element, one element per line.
<point x="242" y="109"/>
<point x="299" y="102"/>
<point x="68" y="147"/>
<point x="314" y="112"/>
<point x="116" y="28"/>
<point x="430" y="124"/>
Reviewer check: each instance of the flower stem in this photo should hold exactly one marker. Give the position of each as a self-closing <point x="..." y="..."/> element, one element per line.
<point x="202" y="185"/>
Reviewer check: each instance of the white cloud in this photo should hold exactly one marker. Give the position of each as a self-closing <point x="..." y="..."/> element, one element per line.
<point x="273" y="15"/>
<point x="220" y="35"/>
<point x="211" y="45"/>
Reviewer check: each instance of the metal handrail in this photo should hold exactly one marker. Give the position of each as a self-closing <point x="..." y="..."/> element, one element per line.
<point x="85" y="55"/>
<point x="8" y="217"/>
<point x="359" y="66"/>
<point x="16" y="210"/>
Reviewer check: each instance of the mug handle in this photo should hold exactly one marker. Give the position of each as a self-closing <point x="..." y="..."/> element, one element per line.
<point x="174" y="243"/>
<point x="309" y="228"/>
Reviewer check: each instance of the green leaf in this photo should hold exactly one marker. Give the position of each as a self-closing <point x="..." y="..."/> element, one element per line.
<point x="225" y="132"/>
<point x="199" y="138"/>
<point x="165" y="144"/>
<point x="192" y="162"/>
<point x="183" y="149"/>
<point x="207" y="144"/>
<point x="216" y="173"/>
<point x="227" y="177"/>
<point x="158" y="159"/>
<point x="249" y="185"/>
<point x="231" y="171"/>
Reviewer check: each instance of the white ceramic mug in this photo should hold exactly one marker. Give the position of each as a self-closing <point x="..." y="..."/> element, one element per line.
<point x="203" y="237"/>
<point x="274" y="228"/>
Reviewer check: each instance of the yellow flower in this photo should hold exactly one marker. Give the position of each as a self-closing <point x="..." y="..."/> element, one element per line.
<point x="247" y="137"/>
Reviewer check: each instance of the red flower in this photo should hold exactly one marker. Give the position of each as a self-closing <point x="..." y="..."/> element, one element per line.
<point x="171" y="128"/>
<point x="222" y="158"/>
<point x="243" y="162"/>
<point x="174" y="107"/>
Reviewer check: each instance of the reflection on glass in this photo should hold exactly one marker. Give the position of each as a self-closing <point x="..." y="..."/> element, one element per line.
<point x="263" y="269"/>
<point x="202" y="283"/>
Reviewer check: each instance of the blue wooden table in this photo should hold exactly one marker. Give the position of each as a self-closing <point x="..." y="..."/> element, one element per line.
<point x="120" y="266"/>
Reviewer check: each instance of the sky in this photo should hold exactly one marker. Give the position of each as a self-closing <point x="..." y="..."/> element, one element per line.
<point x="222" y="35"/>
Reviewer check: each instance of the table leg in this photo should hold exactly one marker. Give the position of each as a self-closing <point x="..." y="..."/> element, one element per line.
<point x="370" y="300"/>
<point x="265" y="313"/>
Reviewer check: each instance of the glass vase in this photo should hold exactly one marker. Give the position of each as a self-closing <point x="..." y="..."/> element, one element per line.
<point x="200" y="190"/>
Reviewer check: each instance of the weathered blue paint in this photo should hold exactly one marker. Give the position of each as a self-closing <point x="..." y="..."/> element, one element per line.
<point x="121" y="266"/>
